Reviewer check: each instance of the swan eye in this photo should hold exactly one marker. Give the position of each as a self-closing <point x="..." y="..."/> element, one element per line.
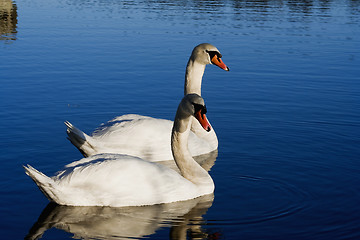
<point x="199" y="107"/>
<point x="213" y="54"/>
<point x="204" y="110"/>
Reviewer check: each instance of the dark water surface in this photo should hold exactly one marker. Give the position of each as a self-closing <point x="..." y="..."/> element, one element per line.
<point x="286" y="115"/>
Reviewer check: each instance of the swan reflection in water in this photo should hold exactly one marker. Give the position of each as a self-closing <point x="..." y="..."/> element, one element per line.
<point x="124" y="222"/>
<point x="130" y="222"/>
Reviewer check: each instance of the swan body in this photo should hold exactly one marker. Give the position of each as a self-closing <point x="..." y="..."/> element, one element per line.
<point x="121" y="180"/>
<point x="145" y="137"/>
<point x="126" y="134"/>
<point x="114" y="180"/>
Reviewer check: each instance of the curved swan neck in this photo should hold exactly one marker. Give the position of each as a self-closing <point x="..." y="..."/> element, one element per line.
<point x="188" y="167"/>
<point x="193" y="77"/>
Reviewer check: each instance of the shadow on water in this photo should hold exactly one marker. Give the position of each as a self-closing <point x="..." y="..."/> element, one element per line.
<point x="126" y="222"/>
<point x="8" y="20"/>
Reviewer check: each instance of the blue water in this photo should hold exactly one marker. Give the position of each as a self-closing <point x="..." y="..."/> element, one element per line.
<point x="286" y="115"/>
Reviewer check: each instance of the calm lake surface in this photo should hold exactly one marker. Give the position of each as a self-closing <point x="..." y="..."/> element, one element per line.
<point x="286" y="115"/>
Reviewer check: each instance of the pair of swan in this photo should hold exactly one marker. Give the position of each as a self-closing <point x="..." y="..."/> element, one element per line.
<point x="116" y="180"/>
<point x="122" y="180"/>
<point x="149" y="138"/>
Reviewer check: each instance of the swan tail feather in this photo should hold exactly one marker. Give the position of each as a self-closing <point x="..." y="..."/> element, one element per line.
<point x="79" y="139"/>
<point x="45" y="183"/>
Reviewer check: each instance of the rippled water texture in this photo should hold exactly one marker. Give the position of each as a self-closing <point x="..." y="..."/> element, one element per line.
<point x="286" y="115"/>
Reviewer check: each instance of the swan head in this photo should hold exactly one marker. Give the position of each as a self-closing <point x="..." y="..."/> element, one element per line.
<point x="206" y="53"/>
<point x="194" y="105"/>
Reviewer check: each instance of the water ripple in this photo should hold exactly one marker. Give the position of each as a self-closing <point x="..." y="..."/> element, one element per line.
<point x="287" y="200"/>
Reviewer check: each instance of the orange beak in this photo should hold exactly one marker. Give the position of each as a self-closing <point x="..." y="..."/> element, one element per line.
<point x="218" y="62"/>
<point x="203" y="120"/>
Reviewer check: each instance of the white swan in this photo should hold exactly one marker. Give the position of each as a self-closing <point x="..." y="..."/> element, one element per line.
<point x="146" y="137"/>
<point x="121" y="180"/>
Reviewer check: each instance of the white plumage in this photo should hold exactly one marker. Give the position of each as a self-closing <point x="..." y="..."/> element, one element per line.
<point x="146" y="137"/>
<point x="122" y="180"/>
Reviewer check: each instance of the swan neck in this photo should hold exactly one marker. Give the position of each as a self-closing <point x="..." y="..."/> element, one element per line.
<point x="193" y="77"/>
<point x="188" y="167"/>
<point x="193" y="80"/>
